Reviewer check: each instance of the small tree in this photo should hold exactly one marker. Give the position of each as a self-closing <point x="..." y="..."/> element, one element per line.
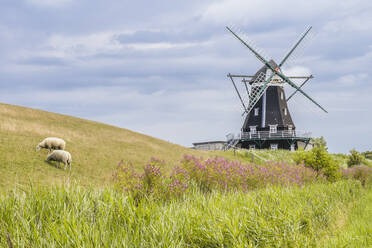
<point x="355" y="158"/>
<point x="319" y="142"/>
<point x="319" y="160"/>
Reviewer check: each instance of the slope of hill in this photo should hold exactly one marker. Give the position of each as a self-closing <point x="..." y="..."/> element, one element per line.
<point x="96" y="148"/>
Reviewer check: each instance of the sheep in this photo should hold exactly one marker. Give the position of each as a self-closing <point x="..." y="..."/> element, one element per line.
<point x="60" y="156"/>
<point x="51" y="143"/>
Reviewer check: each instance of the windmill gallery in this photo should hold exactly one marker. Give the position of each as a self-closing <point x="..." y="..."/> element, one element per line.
<point x="268" y="123"/>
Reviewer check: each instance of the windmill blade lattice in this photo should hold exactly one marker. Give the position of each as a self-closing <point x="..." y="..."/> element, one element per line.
<point x="245" y="37"/>
<point x="258" y="88"/>
<point x="274" y="71"/>
<point x="295" y="59"/>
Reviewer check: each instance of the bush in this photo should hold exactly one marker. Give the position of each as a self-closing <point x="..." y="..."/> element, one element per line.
<point x="148" y="183"/>
<point x="355" y="158"/>
<point x="319" y="142"/>
<point x="361" y="173"/>
<point x="127" y="179"/>
<point x="221" y="174"/>
<point x="207" y="175"/>
<point x="152" y="182"/>
<point x="153" y="176"/>
<point x="319" y="160"/>
<point x="367" y="154"/>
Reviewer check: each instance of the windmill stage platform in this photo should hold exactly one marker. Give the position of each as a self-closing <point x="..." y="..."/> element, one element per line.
<point x="281" y="139"/>
<point x="259" y="140"/>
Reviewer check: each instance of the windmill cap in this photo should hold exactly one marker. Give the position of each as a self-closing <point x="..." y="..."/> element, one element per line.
<point x="263" y="70"/>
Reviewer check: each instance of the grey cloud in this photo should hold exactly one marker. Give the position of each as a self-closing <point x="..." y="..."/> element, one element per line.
<point x="178" y="35"/>
<point x="148" y="37"/>
<point x="43" y="61"/>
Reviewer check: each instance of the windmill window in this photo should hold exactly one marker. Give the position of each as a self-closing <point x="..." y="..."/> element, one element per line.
<point x="285" y="111"/>
<point x="256" y="111"/>
<point x="281" y="95"/>
<point x="252" y="147"/>
<point x="290" y="127"/>
<point x="273" y="129"/>
<point x="274" y="146"/>
<point x="253" y="129"/>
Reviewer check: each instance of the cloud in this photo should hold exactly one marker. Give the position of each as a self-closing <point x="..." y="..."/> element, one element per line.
<point x="43" y="61"/>
<point x="83" y="44"/>
<point x="49" y="3"/>
<point x="252" y="12"/>
<point x="297" y="71"/>
<point x="266" y="13"/>
<point x="352" y="80"/>
<point x="148" y="36"/>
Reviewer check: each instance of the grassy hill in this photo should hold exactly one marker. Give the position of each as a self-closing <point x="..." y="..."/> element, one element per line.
<point x="96" y="148"/>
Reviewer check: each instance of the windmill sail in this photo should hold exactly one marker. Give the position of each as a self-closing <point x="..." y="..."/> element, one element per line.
<point x="258" y="88"/>
<point x="276" y="70"/>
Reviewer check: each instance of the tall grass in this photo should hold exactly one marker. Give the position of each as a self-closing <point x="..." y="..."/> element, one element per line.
<point x="356" y="230"/>
<point x="78" y="217"/>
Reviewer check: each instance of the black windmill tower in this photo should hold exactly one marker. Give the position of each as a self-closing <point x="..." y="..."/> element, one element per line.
<point x="268" y="122"/>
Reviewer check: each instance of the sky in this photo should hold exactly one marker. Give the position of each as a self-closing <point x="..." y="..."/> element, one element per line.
<point x="159" y="67"/>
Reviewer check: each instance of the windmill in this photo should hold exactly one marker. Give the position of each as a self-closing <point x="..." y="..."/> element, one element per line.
<point x="268" y="123"/>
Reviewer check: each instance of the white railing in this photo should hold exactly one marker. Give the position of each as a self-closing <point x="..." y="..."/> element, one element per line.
<point x="277" y="134"/>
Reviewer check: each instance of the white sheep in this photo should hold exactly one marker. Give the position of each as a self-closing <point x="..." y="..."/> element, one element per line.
<point x="52" y="143"/>
<point x="60" y="156"/>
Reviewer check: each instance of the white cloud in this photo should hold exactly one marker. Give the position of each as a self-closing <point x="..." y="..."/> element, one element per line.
<point x="352" y="79"/>
<point x="106" y="42"/>
<point x="245" y="12"/>
<point x="164" y="45"/>
<point x="82" y="44"/>
<point x="297" y="71"/>
<point x="50" y="3"/>
<point x="266" y="11"/>
<point x="352" y="22"/>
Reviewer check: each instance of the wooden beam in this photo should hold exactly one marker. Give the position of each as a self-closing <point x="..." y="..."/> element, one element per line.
<point x="248" y="76"/>
<point x="237" y="91"/>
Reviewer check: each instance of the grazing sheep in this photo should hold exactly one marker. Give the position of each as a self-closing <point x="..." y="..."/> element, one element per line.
<point x="52" y="143"/>
<point x="60" y="156"/>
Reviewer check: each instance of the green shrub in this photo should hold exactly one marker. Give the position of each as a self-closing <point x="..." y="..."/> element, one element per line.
<point x="151" y="182"/>
<point x="319" y="142"/>
<point x="355" y="158"/>
<point x="319" y="160"/>
<point x="128" y="180"/>
<point x="360" y="173"/>
<point x="367" y="154"/>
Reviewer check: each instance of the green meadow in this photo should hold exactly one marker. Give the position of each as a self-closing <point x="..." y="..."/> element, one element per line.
<point x="45" y="206"/>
